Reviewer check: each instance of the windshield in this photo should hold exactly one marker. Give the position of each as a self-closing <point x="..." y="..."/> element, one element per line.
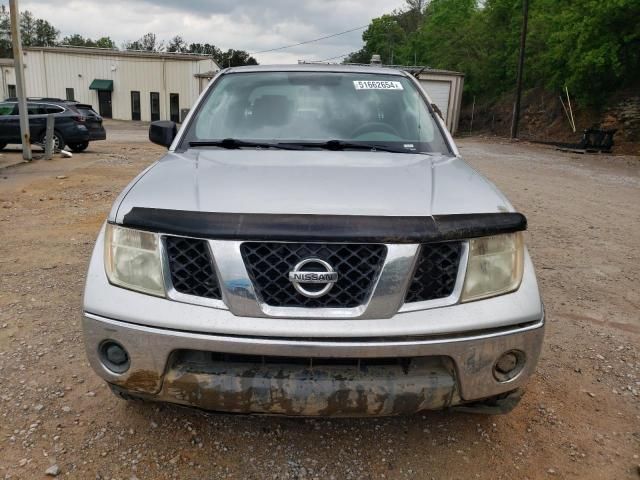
<point x="312" y="107"/>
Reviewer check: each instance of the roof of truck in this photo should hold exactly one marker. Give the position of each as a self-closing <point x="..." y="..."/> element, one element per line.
<point x="317" y="67"/>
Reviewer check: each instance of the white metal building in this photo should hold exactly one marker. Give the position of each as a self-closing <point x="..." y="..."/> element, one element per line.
<point x="445" y="89"/>
<point x="125" y="85"/>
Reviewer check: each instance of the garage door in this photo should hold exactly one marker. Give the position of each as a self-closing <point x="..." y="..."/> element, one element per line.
<point x="439" y="93"/>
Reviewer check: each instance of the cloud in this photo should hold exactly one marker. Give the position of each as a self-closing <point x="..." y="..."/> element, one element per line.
<point x="250" y="25"/>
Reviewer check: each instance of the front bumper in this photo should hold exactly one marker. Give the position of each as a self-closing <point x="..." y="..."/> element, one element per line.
<point x="444" y="371"/>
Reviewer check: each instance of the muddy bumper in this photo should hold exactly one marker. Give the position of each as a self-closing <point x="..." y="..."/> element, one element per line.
<point x="312" y="377"/>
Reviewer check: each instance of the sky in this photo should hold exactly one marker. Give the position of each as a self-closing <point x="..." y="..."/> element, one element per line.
<point x="251" y="25"/>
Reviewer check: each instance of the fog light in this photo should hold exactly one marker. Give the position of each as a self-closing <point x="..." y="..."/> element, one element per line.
<point x="509" y="365"/>
<point x="114" y="356"/>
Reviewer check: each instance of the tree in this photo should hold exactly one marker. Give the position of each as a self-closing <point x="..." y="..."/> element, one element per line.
<point x="46" y="34"/>
<point x="384" y="36"/>
<point x="27" y="28"/>
<point x="105" y="42"/>
<point x="204" y="49"/>
<point x="147" y="42"/>
<point x="76" y="40"/>
<point x="132" y="45"/>
<point x="230" y="58"/>
<point x="590" y="45"/>
<point x="235" y="58"/>
<point x="177" y="44"/>
<point x="5" y="33"/>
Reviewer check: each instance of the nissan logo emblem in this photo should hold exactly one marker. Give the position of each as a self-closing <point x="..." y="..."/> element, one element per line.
<point x="318" y="272"/>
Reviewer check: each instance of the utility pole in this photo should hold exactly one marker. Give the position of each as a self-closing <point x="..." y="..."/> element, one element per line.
<point x="16" y="41"/>
<point x="523" y="38"/>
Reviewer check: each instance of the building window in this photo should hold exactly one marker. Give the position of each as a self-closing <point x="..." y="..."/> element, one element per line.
<point x="135" y="105"/>
<point x="155" y="106"/>
<point x="174" y="107"/>
<point x="70" y="95"/>
<point x="11" y="91"/>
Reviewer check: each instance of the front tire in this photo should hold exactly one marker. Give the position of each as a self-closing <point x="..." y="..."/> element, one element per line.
<point x="78" y="147"/>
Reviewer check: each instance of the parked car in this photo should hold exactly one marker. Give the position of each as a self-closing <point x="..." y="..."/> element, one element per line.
<point x="93" y="121"/>
<point x="75" y="124"/>
<point x="313" y="244"/>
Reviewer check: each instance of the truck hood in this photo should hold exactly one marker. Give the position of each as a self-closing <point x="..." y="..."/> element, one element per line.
<point x="311" y="182"/>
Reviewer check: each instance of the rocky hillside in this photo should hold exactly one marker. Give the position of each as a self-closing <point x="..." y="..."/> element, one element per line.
<point x="543" y="118"/>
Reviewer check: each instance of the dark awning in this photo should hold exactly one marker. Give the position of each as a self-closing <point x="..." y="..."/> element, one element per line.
<point x="99" y="84"/>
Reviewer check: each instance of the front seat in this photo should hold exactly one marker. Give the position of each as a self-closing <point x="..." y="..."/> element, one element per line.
<point x="271" y="111"/>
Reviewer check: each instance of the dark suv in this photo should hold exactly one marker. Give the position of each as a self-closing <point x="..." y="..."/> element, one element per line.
<point x="75" y="124"/>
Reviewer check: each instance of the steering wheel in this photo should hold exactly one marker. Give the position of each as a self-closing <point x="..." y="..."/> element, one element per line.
<point x="374" y="127"/>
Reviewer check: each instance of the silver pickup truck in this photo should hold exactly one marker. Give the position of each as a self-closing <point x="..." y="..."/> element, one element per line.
<point x="313" y="244"/>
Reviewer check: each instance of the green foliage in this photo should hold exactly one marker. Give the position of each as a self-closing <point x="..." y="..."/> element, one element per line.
<point x="230" y="58"/>
<point x="5" y="33"/>
<point x="234" y="58"/>
<point x="177" y="44"/>
<point x="204" y="49"/>
<point x="148" y="42"/>
<point x="105" y="42"/>
<point x="77" y="40"/>
<point x="591" y="46"/>
<point x="36" y="32"/>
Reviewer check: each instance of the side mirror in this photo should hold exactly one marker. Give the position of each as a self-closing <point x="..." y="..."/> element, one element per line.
<point x="163" y="132"/>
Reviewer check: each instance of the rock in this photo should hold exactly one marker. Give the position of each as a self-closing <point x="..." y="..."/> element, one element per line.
<point x="154" y="425"/>
<point x="66" y="409"/>
<point x="52" y="471"/>
<point x="91" y="394"/>
<point x="22" y="462"/>
<point x="61" y="177"/>
<point x="38" y="407"/>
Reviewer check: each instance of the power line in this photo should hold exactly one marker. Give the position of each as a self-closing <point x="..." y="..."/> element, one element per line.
<point x="332" y="58"/>
<point x="311" y="41"/>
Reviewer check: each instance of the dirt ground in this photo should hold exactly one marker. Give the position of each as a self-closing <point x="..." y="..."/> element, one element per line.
<point x="580" y="417"/>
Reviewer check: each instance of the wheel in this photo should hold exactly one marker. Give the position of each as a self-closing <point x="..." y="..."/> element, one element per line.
<point x="58" y="141"/>
<point x="78" y="147"/>
<point x="2" y="145"/>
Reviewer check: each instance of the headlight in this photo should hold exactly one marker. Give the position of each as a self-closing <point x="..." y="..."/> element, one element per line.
<point x="132" y="259"/>
<point x="495" y="266"/>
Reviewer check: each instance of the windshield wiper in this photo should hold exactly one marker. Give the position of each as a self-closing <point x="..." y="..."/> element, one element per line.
<point x="233" y="143"/>
<point x="344" y="145"/>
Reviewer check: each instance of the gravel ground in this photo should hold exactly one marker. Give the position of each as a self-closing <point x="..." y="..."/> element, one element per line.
<point x="580" y="417"/>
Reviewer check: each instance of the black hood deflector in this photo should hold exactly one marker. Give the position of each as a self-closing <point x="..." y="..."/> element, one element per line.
<point x="323" y="228"/>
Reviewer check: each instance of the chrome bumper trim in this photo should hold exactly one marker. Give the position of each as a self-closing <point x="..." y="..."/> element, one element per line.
<point x="473" y="356"/>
